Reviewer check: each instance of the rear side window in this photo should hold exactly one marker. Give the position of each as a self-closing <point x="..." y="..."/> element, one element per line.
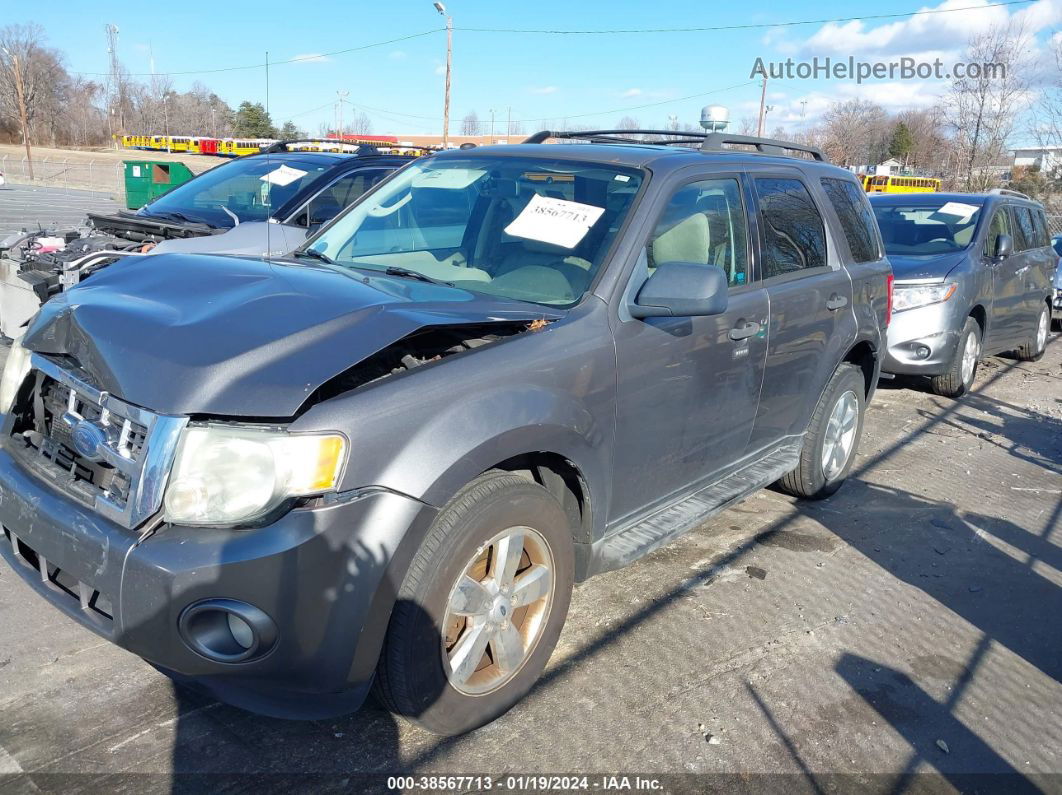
<point x="1041" y="228"/>
<point x="857" y="220"/>
<point x="1026" y="228"/>
<point x="794" y="238"/>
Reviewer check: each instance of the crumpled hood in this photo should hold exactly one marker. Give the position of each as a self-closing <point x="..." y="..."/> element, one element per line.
<point x="934" y="268"/>
<point x="229" y="336"/>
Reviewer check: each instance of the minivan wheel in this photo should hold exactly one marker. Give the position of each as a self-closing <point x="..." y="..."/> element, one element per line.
<point x="481" y="607"/>
<point x="1033" y="350"/>
<point x="831" y="439"/>
<point x="962" y="370"/>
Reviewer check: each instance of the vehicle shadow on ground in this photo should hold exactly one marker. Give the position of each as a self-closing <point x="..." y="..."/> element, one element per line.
<point x="956" y="558"/>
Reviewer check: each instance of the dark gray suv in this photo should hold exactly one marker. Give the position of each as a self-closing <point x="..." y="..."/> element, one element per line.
<point x="388" y="457"/>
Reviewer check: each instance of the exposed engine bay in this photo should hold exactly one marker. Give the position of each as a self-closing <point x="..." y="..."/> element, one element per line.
<point x="36" y="265"/>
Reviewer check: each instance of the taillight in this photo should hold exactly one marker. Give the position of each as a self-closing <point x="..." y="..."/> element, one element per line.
<point x="888" y="300"/>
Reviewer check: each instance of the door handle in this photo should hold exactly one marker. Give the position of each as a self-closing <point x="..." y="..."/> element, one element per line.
<point x="750" y="329"/>
<point x="835" y="302"/>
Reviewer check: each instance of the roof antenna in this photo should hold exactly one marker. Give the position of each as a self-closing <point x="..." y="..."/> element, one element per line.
<point x="269" y="217"/>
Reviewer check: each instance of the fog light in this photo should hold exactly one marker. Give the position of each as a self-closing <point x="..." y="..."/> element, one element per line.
<point x="227" y="631"/>
<point x="922" y="351"/>
<point x="241" y="631"/>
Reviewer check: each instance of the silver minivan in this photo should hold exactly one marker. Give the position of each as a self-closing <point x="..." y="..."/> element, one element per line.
<point x="973" y="278"/>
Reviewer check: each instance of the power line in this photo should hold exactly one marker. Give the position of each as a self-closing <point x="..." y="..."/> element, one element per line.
<point x="704" y="29"/>
<point x="314" y="57"/>
<point x="748" y="26"/>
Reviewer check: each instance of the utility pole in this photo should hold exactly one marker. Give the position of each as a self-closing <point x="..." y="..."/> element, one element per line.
<point x="23" y="115"/>
<point x="508" y="123"/>
<point x="763" y="109"/>
<point x="449" y="60"/>
<point x="116" y="75"/>
<point x="491" y="141"/>
<point x="342" y="97"/>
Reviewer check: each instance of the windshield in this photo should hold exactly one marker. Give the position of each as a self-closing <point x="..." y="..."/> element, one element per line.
<point x="531" y="229"/>
<point x="928" y="227"/>
<point x="249" y="189"/>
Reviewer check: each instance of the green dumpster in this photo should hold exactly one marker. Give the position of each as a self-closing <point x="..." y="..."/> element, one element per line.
<point x="146" y="179"/>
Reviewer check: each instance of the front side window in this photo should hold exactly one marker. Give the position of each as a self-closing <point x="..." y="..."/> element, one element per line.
<point x="794" y="237"/>
<point x="928" y="227"/>
<point x="857" y="220"/>
<point x="531" y="229"/>
<point x="1000" y="226"/>
<point x="703" y="223"/>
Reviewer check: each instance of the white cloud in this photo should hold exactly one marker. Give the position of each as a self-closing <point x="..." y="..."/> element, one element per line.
<point x="310" y="57"/>
<point x="544" y="90"/>
<point x="440" y="69"/>
<point x="631" y="92"/>
<point x="397" y="55"/>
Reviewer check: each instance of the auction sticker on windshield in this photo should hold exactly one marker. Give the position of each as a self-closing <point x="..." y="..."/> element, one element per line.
<point x="555" y="221"/>
<point x="958" y="209"/>
<point x="283" y="175"/>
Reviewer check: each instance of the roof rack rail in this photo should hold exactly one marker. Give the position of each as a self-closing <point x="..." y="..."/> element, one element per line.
<point x="1009" y="192"/>
<point x="709" y="142"/>
<point x="616" y="136"/>
<point x="282" y="146"/>
<point x="714" y="142"/>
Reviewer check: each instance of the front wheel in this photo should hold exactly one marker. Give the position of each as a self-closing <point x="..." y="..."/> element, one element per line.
<point x="962" y="369"/>
<point x="481" y="607"/>
<point x="1033" y="350"/>
<point x="831" y="439"/>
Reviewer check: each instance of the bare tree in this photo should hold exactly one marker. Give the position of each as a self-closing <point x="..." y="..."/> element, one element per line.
<point x="628" y="123"/>
<point x="30" y="78"/>
<point x="470" y="124"/>
<point x="854" y="132"/>
<point x="1047" y="115"/>
<point x="980" y="111"/>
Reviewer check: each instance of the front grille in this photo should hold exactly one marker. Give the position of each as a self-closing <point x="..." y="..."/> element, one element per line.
<point x="108" y="454"/>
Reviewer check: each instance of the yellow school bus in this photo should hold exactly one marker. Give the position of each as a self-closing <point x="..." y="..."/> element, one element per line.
<point x="884" y="184"/>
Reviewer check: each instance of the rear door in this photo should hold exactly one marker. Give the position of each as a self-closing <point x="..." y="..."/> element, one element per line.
<point x="688" y="387"/>
<point x="810" y="295"/>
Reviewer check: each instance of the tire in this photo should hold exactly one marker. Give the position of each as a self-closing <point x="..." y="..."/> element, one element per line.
<point x="1033" y="350"/>
<point x="959" y="377"/>
<point x="810" y="479"/>
<point x="412" y="678"/>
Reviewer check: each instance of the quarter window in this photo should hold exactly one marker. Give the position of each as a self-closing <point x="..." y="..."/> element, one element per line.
<point x="704" y="223"/>
<point x="857" y="220"/>
<point x="793" y="234"/>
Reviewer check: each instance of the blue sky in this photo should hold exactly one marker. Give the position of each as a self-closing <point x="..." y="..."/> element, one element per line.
<point x="541" y="77"/>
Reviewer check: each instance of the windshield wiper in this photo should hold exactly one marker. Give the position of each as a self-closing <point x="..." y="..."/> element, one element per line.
<point x="173" y="214"/>
<point x="313" y="253"/>
<point x="406" y="273"/>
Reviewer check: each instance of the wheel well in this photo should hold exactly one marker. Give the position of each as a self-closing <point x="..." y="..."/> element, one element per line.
<point x="978" y="313"/>
<point x="561" y="478"/>
<point x="862" y="355"/>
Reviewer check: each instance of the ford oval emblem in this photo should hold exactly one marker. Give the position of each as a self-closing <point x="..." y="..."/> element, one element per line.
<point x="88" y="438"/>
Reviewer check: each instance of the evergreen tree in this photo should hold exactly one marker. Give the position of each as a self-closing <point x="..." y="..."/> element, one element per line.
<point x="252" y="121"/>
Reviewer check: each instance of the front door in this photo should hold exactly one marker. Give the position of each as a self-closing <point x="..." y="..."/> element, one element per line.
<point x="689" y="386"/>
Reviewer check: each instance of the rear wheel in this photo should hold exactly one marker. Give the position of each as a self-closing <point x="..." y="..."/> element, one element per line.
<point x="1033" y="350"/>
<point x="832" y="438"/>
<point x="481" y="607"/>
<point x="962" y="370"/>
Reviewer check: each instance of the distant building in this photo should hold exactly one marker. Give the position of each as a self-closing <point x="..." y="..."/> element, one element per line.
<point x="1047" y="158"/>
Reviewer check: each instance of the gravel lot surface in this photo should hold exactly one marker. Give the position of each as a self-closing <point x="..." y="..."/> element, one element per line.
<point x="907" y="627"/>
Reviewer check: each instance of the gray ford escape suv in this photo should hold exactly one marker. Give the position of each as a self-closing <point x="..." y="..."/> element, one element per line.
<point x="389" y="457"/>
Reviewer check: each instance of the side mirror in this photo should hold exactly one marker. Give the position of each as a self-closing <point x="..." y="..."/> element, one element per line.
<point x="1004" y="246"/>
<point x="682" y="289"/>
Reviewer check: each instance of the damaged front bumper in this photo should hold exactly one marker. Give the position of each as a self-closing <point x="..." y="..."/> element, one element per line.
<point x="323" y="577"/>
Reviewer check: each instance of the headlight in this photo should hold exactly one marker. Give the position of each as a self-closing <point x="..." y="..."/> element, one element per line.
<point x="224" y="475"/>
<point x="15" y="371"/>
<point x="912" y="296"/>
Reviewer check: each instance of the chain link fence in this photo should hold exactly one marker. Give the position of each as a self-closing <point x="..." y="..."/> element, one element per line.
<point x="97" y="176"/>
<point x="1054" y="225"/>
